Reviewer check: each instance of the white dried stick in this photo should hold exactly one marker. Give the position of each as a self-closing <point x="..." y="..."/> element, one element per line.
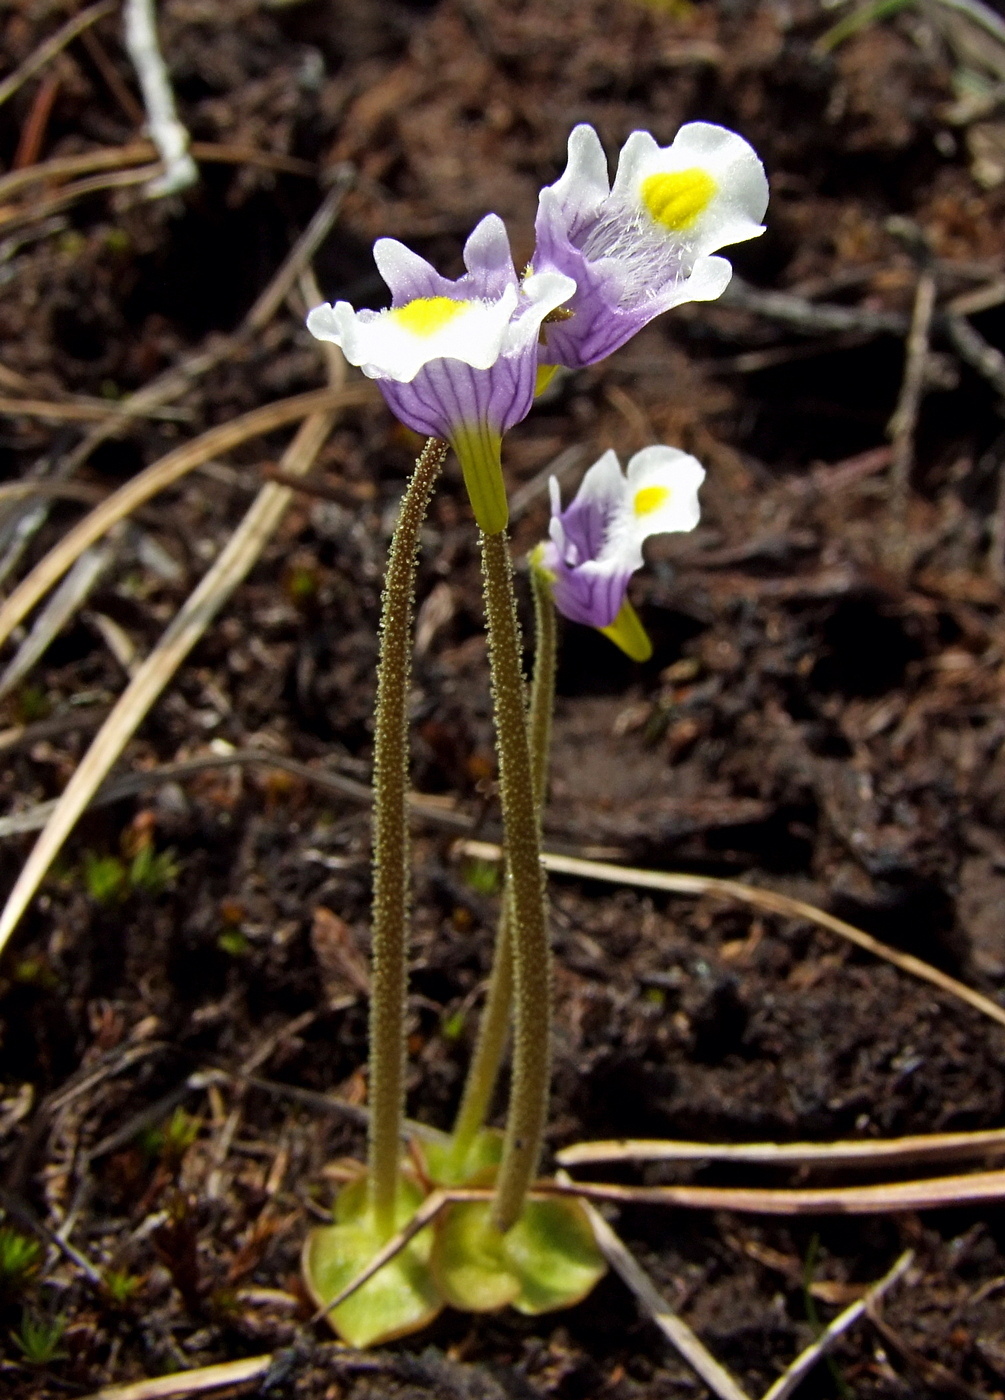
<point x="166" y="131"/>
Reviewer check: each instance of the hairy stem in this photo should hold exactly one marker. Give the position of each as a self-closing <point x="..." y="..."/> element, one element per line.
<point x="391" y="844"/>
<point x="493" y="1030"/>
<point x="525" y="887"/>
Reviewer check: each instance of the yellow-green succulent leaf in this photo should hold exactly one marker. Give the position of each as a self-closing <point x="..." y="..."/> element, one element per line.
<point x="553" y="1252"/>
<point x="469" y="1261"/>
<point x="477" y="1167"/>
<point x="627" y="632"/>
<point x="401" y="1298"/>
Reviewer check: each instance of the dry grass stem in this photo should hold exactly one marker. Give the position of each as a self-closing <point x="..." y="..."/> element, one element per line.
<point x="155" y="478"/>
<point x="195" y="1382"/>
<point x="905" y="417"/>
<point x="806" y="1360"/>
<point x="52" y="46"/>
<point x="934" y="1147"/>
<point x="188" y="626"/>
<point x="936" y="1193"/>
<point x="71" y="412"/>
<point x="658" y="1310"/>
<point x="75" y="588"/>
<point x="129" y="784"/>
<point x="757" y="898"/>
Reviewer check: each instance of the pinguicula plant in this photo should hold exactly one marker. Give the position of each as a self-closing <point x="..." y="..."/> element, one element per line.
<point x="460" y="361"/>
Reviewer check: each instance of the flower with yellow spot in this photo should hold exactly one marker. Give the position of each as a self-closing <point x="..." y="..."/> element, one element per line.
<point x="645" y="245"/>
<point x="454" y="359"/>
<point x="595" y="544"/>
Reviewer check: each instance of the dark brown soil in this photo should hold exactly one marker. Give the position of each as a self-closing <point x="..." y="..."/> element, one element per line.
<point x="823" y="712"/>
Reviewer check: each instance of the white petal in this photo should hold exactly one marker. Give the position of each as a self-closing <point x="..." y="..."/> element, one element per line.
<point x="541" y="293"/>
<point x="487" y="247"/>
<point x="735" y="211"/>
<point x="634" y="163"/>
<point x="603" y="486"/>
<point x="388" y="349"/>
<point x="709" y="279"/>
<point x="407" y="275"/>
<point x="655" y="470"/>
<point x="584" y="183"/>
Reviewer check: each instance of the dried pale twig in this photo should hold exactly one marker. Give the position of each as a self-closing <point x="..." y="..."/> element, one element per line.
<point x="979" y="353"/>
<point x="178" y="379"/>
<point x="77" y="412"/>
<point x="933" y="1147"/>
<point x="768" y="900"/>
<point x="11" y="216"/>
<point x="68" y="597"/>
<point x="166" y="131"/>
<point x="144" y="153"/>
<point x="52" y="46"/>
<point x="188" y="626"/>
<point x="195" y="1382"/>
<point x="658" y="1310"/>
<point x="35" y="818"/>
<point x="155" y="478"/>
<point x="936" y="1193"/>
<point x="806" y="1360"/>
<point x="905" y="417"/>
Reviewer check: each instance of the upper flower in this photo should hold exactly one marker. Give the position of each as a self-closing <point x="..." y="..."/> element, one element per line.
<point x="644" y="245"/>
<point x="454" y="359"/>
<point x="595" y="544"/>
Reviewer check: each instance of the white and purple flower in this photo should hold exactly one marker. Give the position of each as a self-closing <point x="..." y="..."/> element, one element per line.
<point x="643" y="246"/>
<point x="595" y="544"/>
<point x="454" y="359"/>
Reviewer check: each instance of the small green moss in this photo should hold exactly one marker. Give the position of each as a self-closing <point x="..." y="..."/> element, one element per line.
<point x="118" y="241"/>
<point x="152" y="872"/>
<point x="656" y="996"/>
<point x="452" y="1025"/>
<point x="105" y="878"/>
<point x="38" y="1338"/>
<point x="122" y="1286"/>
<point x="233" y="942"/>
<point x="301" y="585"/>
<point x="482" y="876"/>
<point x="20" y="1256"/>
<point x="31" y="704"/>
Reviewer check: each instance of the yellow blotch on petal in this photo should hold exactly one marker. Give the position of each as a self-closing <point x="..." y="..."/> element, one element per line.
<point x="650" y="498"/>
<point x="427" y="315"/>
<point x="677" y="199"/>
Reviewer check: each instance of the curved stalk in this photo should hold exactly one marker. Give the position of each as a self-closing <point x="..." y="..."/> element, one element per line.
<point x="391" y="844"/>
<point x="528" y="924"/>
<point x="493" y="1030"/>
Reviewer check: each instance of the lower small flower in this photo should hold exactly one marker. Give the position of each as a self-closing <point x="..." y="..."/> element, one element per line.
<point x="595" y="544"/>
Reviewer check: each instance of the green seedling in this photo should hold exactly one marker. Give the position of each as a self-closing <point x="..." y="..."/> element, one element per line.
<point x="233" y="942"/>
<point x="105" y="878"/>
<point x="110" y="879"/>
<point x="122" y="1286"/>
<point x="20" y="1256"/>
<point x="38" y="1338"/>
<point x="172" y="1139"/>
<point x="152" y="872"/>
<point x="452" y="1025"/>
<point x="483" y="876"/>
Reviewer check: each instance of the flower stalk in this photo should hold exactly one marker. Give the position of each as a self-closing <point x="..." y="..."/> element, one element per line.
<point x="493" y="1030"/>
<point x="391" y="844"/>
<point x="525" y="886"/>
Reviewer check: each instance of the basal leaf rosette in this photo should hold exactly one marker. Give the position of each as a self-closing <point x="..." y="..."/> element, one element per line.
<point x="401" y="1298"/>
